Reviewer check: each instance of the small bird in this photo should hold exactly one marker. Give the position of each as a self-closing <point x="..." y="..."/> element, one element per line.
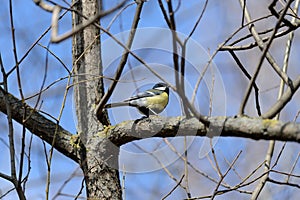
<point x="149" y="102"/>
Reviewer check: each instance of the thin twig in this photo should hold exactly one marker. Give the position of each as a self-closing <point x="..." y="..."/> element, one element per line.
<point x="59" y="192"/>
<point x="13" y="175"/>
<point x="174" y="188"/>
<point x="279" y="155"/>
<point x="285" y="98"/>
<point x="33" y="45"/>
<point x="175" y="39"/>
<point x="293" y="167"/>
<point x="11" y="134"/>
<point x="123" y="187"/>
<point x="212" y="57"/>
<point x="244" y="70"/>
<point x="186" y="169"/>
<point x="283" y="183"/>
<point x="169" y="173"/>
<point x="184" y="159"/>
<point x="265" y="54"/>
<point x="224" y="175"/>
<point x="164" y="12"/>
<point x="215" y="157"/>
<point x="286" y="173"/>
<point x="55" y="38"/>
<point x="182" y="62"/>
<point x="15" y="49"/>
<point x="123" y="60"/>
<point x="56" y="57"/>
<point x="264" y="178"/>
<point x="269" y="155"/>
<point x="288" y="49"/>
<point x="118" y="14"/>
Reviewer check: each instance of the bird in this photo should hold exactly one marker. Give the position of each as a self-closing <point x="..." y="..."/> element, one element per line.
<point x="149" y="102"/>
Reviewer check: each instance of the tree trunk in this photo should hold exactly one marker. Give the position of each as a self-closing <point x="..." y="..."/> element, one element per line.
<point x="99" y="158"/>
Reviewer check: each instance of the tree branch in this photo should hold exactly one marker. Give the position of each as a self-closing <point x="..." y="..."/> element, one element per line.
<point x="40" y="126"/>
<point x="254" y="128"/>
<point x="123" y="60"/>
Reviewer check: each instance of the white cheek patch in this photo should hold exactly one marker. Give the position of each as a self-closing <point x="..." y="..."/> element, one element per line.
<point x="160" y="88"/>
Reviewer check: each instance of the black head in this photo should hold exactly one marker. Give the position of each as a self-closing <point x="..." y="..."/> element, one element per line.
<point x="161" y="86"/>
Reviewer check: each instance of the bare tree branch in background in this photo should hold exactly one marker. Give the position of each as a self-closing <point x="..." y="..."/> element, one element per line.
<point x="193" y="152"/>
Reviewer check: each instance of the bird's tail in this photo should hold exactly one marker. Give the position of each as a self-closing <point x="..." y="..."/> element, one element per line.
<point x="112" y="105"/>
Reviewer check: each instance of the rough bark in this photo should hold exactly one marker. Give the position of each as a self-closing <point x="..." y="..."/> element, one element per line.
<point x="98" y="159"/>
<point x="245" y="127"/>
<point x="36" y="123"/>
<point x="103" y="181"/>
<point x="157" y="126"/>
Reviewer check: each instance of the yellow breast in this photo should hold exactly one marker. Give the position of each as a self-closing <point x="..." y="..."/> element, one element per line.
<point x="158" y="103"/>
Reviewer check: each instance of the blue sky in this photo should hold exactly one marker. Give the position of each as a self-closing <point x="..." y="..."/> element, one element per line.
<point x="219" y="21"/>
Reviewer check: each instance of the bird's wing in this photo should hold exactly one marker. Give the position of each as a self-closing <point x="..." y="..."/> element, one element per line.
<point x="135" y="101"/>
<point x="140" y="95"/>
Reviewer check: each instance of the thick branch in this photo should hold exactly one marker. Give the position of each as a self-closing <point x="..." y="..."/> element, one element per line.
<point x="39" y="125"/>
<point x="254" y="128"/>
